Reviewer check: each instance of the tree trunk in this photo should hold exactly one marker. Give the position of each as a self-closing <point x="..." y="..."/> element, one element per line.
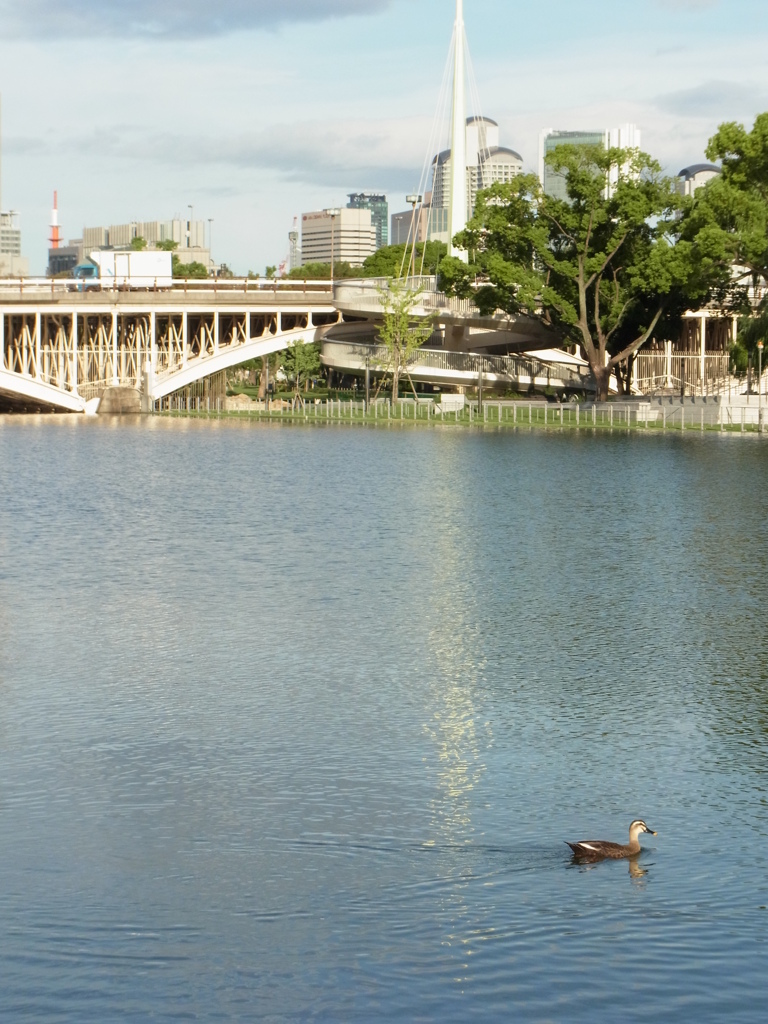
<point x="602" y="375"/>
<point x="624" y="377"/>
<point x="395" y="381"/>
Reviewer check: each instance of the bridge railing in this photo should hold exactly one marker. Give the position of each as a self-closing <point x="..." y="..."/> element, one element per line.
<point x="470" y="363"/>
<point x="42" y="287"/>
<point x="368" y="294"/>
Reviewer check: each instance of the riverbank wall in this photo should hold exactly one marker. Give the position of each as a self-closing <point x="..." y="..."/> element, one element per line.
<point x="664" y="413"/>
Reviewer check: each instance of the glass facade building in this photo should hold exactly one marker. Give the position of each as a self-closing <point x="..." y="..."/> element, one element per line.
<point x="554" y="183"/>
<point x="626" y="136"/>
<point x="379" y="207"/>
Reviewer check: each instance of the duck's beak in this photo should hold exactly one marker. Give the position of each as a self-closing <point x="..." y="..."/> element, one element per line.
<point x="652" y="832"/>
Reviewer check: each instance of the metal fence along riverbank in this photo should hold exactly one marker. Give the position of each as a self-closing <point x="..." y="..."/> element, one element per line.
<point x="508" y="414"/>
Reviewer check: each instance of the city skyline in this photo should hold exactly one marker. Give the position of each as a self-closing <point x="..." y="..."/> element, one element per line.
<point x="261" y="131"/>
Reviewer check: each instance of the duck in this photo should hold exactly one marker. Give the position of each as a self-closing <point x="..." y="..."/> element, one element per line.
<point x="596" y="849"/>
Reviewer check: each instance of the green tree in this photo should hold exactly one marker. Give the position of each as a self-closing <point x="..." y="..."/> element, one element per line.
<point x="167" y="245"/>
<point x="322" y="272"/>
<point x="138" y="243"/>
<point x="605" y="268"/>
<point x="301" y="362"/>
<point x="392" y="260"/>
<point x="192" y="271"/>
<point x="734" y="207"/>
<point x="270" y="273"/>
<point x="401" y="333"/>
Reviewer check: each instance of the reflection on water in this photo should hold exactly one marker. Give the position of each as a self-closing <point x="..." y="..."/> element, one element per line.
<point x="294" y="723"/>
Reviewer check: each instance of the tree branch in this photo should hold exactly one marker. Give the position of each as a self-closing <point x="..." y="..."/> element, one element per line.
<point x="621" y="356"/>
<point x="608" y="259"/>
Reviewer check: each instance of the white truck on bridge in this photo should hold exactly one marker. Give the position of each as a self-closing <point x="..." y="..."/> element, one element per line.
<point x="125" y="271"/>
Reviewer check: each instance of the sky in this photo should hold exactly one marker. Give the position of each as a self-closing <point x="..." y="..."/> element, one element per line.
<point x="254" y="111"/>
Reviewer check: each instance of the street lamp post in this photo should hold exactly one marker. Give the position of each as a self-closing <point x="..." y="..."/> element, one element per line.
<point x="333" y="213"/>
<point x="414" y="200"/>
<point x="191" y="209"/>
<point x="760" y="387"/>
<point x="210" y="241"/>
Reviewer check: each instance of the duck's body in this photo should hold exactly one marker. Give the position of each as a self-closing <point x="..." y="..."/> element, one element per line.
<point x="596" y="849"/>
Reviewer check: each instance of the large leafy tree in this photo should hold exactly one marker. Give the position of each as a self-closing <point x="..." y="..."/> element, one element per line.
<point x="606" y="268"/>
<point x="735" y="205"/>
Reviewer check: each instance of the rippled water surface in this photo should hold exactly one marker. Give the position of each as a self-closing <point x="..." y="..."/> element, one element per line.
<point x="294" y="723"/>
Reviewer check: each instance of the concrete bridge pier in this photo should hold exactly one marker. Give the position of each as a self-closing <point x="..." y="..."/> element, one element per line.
<point x="147" y="384"/>
<point x="456" y="337"/>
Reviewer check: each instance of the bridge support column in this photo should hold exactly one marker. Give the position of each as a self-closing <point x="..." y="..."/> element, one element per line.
<point x="148" y="369"/>
<point x="184" y="330"/>
<point x="38" y="346"/>
<point x="153" y="340"/>
<point x="2" y="340"/>
<point x="456" y="337"/>
<point x="115" y="377"/>
<point x="73" y="347"/>
<point x="703" y="350"/>
<point x="147" y="385"/>
<point x="216" y="333"/>
<point x="247" y="327"/>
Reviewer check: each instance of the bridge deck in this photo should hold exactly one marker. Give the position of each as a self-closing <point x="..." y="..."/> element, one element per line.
<point x="60" y="347"/>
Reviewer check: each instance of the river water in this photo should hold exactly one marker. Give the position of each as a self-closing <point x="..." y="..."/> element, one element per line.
<point x="294" y="723"/>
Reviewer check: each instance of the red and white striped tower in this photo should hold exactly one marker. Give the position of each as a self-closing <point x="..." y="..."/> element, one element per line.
<point x="55" y="236"/>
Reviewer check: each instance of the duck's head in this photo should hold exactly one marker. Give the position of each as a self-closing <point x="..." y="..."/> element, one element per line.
<point x="638" y="826"/>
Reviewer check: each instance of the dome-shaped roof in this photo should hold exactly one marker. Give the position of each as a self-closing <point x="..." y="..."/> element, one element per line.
<point x="482" y="120"/>
<point x="694" y="169"/>
<point x="499" y="151"/>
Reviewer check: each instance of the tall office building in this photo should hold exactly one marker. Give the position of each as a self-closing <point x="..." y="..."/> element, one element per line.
<point x="346" y="237"/>
<point x="376" y="202"/>
<point x="627" y="136"/>
<point x="487" y="163"/>
<point x="10" y="234"/>
<point x="427" y="222"/>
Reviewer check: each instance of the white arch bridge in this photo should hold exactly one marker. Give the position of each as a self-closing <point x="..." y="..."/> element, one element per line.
<point x="60" y="349"/>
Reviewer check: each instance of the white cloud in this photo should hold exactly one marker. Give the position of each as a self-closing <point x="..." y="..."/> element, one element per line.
<point x="160" y="19"/>
<point x="715" y="99"/>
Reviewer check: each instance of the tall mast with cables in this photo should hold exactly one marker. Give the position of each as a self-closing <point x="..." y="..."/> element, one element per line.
<point x="457" y="216"/>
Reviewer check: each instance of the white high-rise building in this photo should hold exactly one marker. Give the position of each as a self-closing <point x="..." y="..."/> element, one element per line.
<point x="487" y="163"/>
<point x="344" y="236"/>
<point x="626" y="136"/>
